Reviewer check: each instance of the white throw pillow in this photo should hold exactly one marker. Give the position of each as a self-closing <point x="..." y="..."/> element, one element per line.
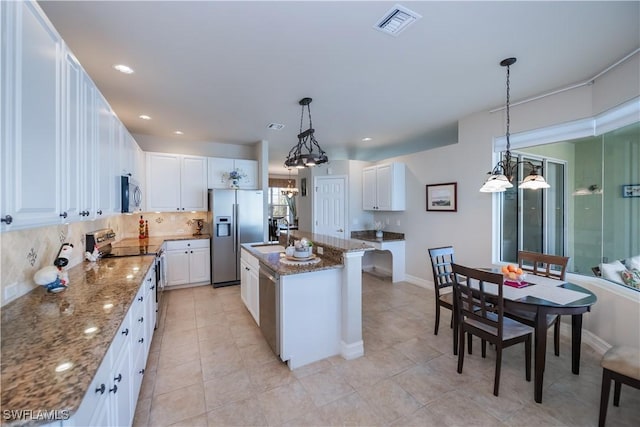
<point x="633" y="262"/>
<point x="611" y="271"/>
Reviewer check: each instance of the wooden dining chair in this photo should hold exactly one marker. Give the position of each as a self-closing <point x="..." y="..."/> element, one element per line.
<point x="539" y="264"/>
<point x="481" y="313"/>
<point x="441" y="260"/>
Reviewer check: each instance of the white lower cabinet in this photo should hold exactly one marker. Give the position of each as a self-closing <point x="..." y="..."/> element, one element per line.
<point x="113" y="394"/>
<point x="249" y="283"/>
<point x="188" y="262"/>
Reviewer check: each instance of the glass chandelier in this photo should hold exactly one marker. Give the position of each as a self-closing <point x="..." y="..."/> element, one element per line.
<point x="291" y="190"/>
<point x="503" y="172"/>
<point x="307" y="152"/>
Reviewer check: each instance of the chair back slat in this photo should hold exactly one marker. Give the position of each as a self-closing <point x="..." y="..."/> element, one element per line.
<point x="479" y="296"/>
<point x="441" y="260"/>
<point x="539" y="264"/>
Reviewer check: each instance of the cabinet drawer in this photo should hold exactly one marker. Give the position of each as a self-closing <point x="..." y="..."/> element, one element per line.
<point x="175" y="245"/>
<point x="250" y="259"/>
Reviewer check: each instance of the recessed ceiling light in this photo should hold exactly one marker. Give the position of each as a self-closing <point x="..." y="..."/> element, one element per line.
<point x="123" y="68"/>
<point x="366" y="138"/>
<point x="178" y="132"/>
<point x="91" y="330"/>
<point x="144" y="117"/>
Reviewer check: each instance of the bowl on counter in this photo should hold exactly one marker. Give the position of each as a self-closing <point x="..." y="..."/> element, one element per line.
<point x="302" y="253"/>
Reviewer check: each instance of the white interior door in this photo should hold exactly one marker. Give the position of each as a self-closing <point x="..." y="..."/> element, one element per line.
<point x="330" y="206"/>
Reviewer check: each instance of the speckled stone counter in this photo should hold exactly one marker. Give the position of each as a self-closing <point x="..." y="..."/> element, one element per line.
<point x="272" y="260"/>
<point x="340" y="245"/>
<point x="42" y="331"/>
<point x="370" y="235"/>
<point x="153" y="243"/>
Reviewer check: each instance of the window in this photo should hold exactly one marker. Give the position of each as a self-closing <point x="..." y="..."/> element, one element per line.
<point x="586" y="214"/>
<point x="534" y="220"/>
<point x="278" y="205"/>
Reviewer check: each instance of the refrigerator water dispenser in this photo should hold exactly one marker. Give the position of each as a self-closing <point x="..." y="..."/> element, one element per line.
<point x="223" y="226"/>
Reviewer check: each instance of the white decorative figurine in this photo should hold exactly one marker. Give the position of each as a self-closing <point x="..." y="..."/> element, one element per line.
<point x="55" y="278"/>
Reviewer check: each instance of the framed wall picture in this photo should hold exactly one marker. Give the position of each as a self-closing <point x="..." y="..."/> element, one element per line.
<point x="442" y="197"/>
<point x="303" y="187"/>
<point x="631" y="190"/>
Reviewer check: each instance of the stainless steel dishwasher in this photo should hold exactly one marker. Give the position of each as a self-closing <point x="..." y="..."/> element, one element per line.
<point x="269" y="297"/>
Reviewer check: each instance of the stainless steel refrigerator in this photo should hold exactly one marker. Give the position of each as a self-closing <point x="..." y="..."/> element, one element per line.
<point x="236" y="217"/>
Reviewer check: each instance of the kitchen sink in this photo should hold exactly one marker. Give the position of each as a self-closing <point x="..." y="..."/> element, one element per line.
<point x="268" y="248"/>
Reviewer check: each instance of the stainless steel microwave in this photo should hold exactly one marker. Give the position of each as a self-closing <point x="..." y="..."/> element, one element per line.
<point x="131" y="195"/>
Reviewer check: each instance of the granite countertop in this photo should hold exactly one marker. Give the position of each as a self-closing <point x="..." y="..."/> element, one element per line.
<point x="333" y="248"/>
<point x="341" y="245"/>
<point x="370" y="235"/>
<point x="272" y="260"/>
<point x="41" y="331"/>
<point x="156" y="242"/>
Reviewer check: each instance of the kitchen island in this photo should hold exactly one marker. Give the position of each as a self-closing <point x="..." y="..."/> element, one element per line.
<point x="318" y="306"/>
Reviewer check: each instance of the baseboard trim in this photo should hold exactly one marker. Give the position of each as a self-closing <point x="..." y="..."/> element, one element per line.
<point x="352" y="351"/>
<point x="418" y="281"/>
<point x="598" y="345"/>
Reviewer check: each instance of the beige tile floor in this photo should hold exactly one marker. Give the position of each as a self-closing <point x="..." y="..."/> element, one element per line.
<point x="210" y="366"/>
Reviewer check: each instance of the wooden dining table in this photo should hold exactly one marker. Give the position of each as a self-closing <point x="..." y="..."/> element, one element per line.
<point x="543" y="296"/>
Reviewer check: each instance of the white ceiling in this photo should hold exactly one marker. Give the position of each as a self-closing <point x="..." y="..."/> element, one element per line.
<point x="222" y="71"/>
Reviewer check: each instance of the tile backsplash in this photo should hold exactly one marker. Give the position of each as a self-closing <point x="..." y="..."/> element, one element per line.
<point x="24" y="252"/>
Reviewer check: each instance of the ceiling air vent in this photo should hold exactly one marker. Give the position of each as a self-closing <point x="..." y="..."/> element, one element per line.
<point x="396" y="20"/>
<point x="275" y="126"/>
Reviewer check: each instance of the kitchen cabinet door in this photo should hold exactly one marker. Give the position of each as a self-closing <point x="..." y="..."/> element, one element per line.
<point x="163" y="182"/>
<point x="383" y="187"/>
<point x="250" y="169"/>
<point x="244" y="280"/>
<point x="31" y="110"/>
<point x="193" y="184"/>
<point x="254" y="294"/>
<point x="73" y="150"/>
<point x="176" y="182"/>
<point x="249" y="284"/>
<point x="369" y="200"/>
<point x="120" y="389"/>
<point x="219" y="167"/>
<point x="177" y="267"/>
<point x="90" y="154"/>
<point x="199" y="265"/>
<point x="106" y="162"/>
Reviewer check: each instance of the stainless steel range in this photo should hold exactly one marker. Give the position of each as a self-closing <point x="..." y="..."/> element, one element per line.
<point x="103" y="240"/>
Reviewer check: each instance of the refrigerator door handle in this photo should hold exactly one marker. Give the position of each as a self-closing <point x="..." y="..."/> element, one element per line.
<point x="236" y="228"/>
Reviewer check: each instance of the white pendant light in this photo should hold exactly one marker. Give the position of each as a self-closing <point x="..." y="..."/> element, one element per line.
<point x="503" y="172"/>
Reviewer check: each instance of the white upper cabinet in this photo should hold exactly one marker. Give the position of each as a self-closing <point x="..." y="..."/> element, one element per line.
<point x="193" y="184"/>
<point x="106" y="161"/>
<point x="63" y="148"/>
<point x="73" y="160"/>
<point x="220" y="167"/>
<point x="31" y="111"/>
<point x="176" y="182"/>
<point x="383" y="187"/>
